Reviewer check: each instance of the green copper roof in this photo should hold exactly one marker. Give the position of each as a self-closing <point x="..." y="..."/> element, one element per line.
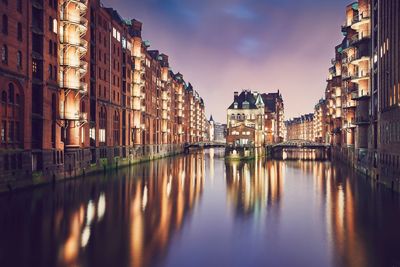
<point x="355" y="6"/>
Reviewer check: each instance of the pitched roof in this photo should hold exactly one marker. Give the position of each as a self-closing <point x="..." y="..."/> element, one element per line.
<point x="244" y="97"/>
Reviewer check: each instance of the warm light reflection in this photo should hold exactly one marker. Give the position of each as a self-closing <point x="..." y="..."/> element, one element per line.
<point x="251" y="186"/>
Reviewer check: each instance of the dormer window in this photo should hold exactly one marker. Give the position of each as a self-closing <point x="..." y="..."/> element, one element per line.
<point x="246" y="105"/>
<point x="235" y="105"/>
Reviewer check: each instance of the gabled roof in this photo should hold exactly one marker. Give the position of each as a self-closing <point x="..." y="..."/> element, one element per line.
<point x="245" y="96"/>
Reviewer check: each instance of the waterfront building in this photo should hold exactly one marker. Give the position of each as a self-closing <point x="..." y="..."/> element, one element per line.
<point x="384" y="130"/>
<point x="320" y="122"/>
<point x="301" y="128"/>
<point x="274" y="117"/>
<point x="81" y="90"/>
<point x="362" y="94"/>
<point x="245" y="120"/>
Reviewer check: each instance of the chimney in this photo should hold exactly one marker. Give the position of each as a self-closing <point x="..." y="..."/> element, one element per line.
<point x="236" y="95"/>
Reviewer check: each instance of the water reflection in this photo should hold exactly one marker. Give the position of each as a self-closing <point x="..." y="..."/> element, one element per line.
<point x="123" y="219"/>
<point x="253" y="186"/>
<point x="199" y="210"/>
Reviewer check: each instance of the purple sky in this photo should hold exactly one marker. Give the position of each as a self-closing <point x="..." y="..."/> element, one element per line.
<point x="222" y="46"/>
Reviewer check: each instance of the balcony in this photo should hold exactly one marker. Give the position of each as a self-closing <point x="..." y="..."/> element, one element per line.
<point x="357" y="38"/>
<point x="74" y="116"/>
<point x="76" y="64"/>
<point x="79" y="21"/>
<point x="360" y="95"/>
<point x="349" y="105"/>
<point x="360" y="19"/>
<point x="361" y="75"/>
<point x="346" y="76"/>
<point x="78" y="86"/>
<point x="82" y="4"/>
<point x="362" y="120"/>
<point x="81" y="44"/>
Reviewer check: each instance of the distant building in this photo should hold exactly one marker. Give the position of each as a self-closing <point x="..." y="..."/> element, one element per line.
<point x="211" y="129"/>
<point x="301" y="128"/>
<point x="320" y="122"/>
<point x="245" y="117"/>
<point x="273" y="117"/>
<point x="220" y="132"/>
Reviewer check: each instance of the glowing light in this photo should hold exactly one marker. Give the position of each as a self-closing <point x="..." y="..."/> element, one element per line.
<point x="101" y="207"/>
<point x="85" y="236"/>
<point x="90" y="213"/>
<point x="144" y="198"/>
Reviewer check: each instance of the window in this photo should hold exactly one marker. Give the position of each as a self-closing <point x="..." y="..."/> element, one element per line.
<point x="4" y="97"/>
<point x="19" y="6"/>
<point x="102" y="124"/>
<point x="11" y="93"/>
<point x="34" y="66"/>
<point x="11" y="131"/>
<point x="5" y="24"/>
<point x="50" y="24"/>
<point x="4" y="54"/>
<point x="19" y="59"/>
<point x="3" y="131"/>
<point x="51" y="71"/>
<point x="55" y="48"/>
<point x="55" y="26"/>
<point x="19" y="31"/>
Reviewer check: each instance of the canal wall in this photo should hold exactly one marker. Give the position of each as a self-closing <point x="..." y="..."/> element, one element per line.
<point x="79" y="162"/>
<point x="360" y="161"/>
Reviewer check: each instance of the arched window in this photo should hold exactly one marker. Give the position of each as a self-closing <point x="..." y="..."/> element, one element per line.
<point x="17" y="100"/>
<point x="19" y="6"/>
<point x="4" y="96"/>
<point x="5" y="24"/>
<point x="51" y="71"/>
<point x="19" y="59"/>
<point x="11" y="93"/>
<point x="102" y="125"/>
<point x="4" y="54"/>
<point x="116" y="128"/>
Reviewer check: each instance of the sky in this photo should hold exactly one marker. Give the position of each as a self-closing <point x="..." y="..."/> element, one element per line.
<point x="222" y="46"/>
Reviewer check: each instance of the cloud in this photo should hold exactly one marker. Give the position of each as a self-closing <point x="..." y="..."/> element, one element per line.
<point x="240" y="11"/>
<point x="225" y="45"/>
<point x="248" y="46"/>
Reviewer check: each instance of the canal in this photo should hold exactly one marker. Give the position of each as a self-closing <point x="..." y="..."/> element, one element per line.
<point x="198" y="210"/>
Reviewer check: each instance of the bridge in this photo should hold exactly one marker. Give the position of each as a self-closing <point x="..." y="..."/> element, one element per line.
<point x="300" y="149"/>
<point x="297" y="143"/>
<point x="188" y="146"/>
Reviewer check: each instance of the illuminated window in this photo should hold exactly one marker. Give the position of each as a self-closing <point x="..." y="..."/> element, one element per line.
<point x="55" y="27"/>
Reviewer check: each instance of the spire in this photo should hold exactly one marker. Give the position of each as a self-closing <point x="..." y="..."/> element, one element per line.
<point x="211" y="118"/>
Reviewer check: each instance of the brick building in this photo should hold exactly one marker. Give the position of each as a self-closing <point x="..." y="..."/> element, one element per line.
<point x="362" y="93"/>
<point x="301" y="128"/>
<point x="80" y="90"/>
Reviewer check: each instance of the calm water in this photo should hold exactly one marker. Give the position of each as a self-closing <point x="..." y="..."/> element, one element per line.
<point x="197" y="210"/>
